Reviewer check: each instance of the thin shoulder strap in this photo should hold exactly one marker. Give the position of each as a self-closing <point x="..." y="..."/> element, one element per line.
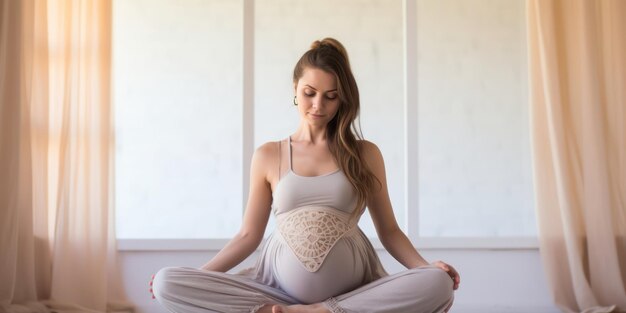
<point x="279" y="157"/>
<point x="289" y="141"/>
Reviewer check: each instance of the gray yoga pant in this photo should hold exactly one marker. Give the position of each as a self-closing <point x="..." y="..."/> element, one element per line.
<point x="426" y="289"/>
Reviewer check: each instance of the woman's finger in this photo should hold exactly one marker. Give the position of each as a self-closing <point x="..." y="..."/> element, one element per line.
<point x="150" y="283"/>
<point x="456" y="278"/>
<point x="443" y="266"/>
<point x="454" y="275"/>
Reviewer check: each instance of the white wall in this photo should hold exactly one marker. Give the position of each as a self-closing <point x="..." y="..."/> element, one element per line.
<point x="473" y="130"/>
<point x="492" y="281"/>
<point x="177" y="76"/>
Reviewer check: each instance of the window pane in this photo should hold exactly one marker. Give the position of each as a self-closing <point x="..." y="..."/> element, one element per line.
<point x="474" y="149"/>
<point x="177" y="85"/>
<point x="372" y="33"/>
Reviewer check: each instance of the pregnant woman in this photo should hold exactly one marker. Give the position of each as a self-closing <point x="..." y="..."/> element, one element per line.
<point x="317" y="182"/>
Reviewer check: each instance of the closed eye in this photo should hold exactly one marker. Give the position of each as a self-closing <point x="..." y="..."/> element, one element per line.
<point x="327" y="96"/>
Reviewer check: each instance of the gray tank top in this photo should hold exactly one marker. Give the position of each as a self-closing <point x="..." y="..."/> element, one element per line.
<point x="330" y="190"/>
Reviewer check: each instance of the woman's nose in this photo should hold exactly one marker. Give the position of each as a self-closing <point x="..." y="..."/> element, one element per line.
<point x="317" y="102"/>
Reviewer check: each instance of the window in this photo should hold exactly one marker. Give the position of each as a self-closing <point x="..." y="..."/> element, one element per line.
<point x="473" y="129"/>
<point x="178" y="80"/>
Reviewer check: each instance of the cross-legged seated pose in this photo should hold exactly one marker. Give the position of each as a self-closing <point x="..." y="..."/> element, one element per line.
<point x="317" y="182"/>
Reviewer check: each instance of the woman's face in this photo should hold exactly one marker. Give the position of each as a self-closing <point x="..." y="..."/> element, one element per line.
<point x="316" y="93"/>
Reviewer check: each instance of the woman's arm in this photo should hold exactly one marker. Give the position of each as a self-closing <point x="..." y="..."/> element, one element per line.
<point x="256" y="215"/>
<point x="379" y="205"/>
<point x="391" y="236"/>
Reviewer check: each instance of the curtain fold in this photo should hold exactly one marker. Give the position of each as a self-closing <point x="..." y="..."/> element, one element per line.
<point x="57" y="233"/>
<point x="577" y="70"/>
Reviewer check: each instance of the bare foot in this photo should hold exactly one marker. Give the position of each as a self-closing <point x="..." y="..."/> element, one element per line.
<point x="300" y="308"/>
<point x="266" y="309"/>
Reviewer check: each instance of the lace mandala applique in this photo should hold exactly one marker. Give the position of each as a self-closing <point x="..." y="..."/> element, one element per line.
<point x="312" y="232"/>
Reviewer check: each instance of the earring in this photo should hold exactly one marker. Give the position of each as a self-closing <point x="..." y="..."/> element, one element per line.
<point x="295" y="102"/>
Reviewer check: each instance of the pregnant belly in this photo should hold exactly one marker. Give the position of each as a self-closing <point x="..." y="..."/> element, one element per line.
<point x="341" y="271"/>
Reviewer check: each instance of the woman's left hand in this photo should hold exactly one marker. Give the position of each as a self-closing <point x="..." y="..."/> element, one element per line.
<point x="450" y="270"/>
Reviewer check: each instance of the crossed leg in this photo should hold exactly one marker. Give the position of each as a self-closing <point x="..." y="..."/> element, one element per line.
<point x="187" y="290"/>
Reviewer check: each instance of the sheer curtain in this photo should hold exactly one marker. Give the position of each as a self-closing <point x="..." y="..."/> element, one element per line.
<point x="577" y="54"/>
<point x="56" y="221"/>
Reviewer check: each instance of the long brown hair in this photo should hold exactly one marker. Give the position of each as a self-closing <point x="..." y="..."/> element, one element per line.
<point x="330" y="56"/>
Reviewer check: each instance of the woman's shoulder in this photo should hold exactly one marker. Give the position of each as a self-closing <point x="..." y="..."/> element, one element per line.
<point x="367" y="147"/>
<point x="265" y="155"/>
<point x="370" y="152"/>
<point x="268" y="150"/>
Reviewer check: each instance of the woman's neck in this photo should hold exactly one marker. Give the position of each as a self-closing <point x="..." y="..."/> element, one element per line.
<point x="311" y="135"/>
